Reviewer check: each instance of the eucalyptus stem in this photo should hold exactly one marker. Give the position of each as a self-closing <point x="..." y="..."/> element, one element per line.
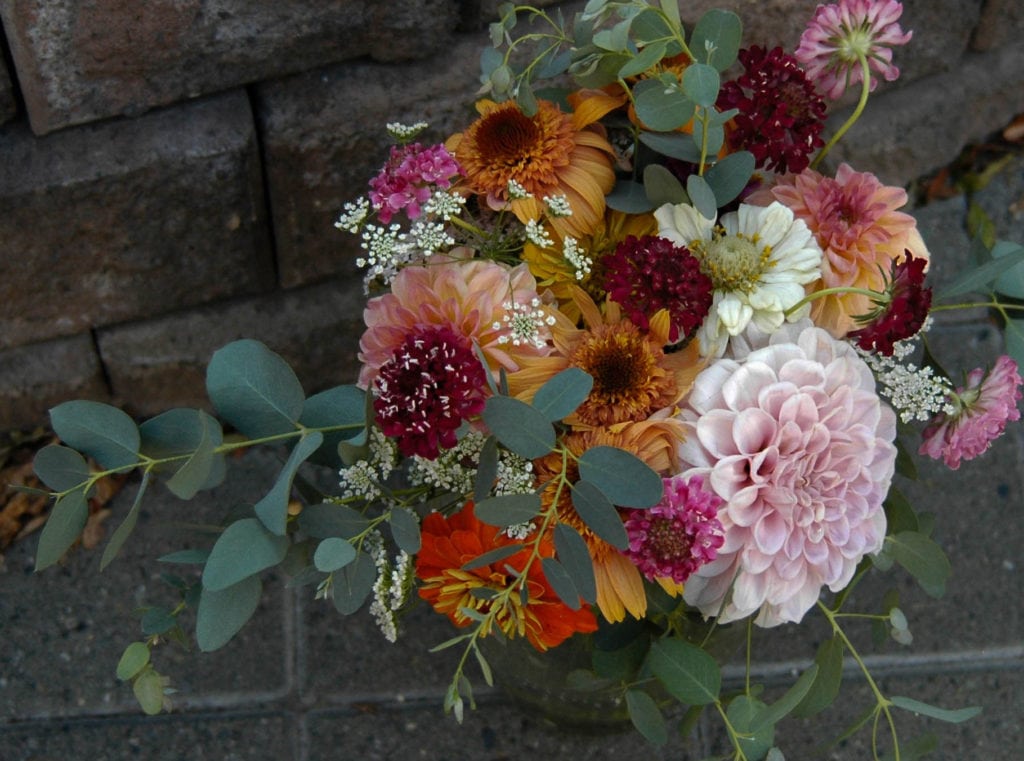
<point x="990" y="304"/>
<point x="864" y="91"/>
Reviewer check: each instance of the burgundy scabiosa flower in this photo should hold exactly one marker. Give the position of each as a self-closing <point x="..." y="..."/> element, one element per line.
<point x="430" y="385"/>
<point x="409" y="177"/>
<point x="900" y="311"/>
<point x="651" y="273"/>
<point x="781" y="115"/>
<point x="679" y="534"/>
<point x="981" y="410"/>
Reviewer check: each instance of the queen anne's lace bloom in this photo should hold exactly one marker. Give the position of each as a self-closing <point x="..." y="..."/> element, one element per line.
<point x="796" y="441"/>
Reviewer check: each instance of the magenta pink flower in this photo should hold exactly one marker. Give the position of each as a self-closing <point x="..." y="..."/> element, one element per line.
<point x="679" y="534"/>
<point x="409" y="178"/>
<point x="842" y="34"/>
<point x="651" y="273"/>
<point x="982" y="409"/>
<point x="794" y="439"/>
<point x="780" y="117"/>
<point x="433" y="382"/>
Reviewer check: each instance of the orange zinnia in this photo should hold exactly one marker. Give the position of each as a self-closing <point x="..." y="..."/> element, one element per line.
<point x="550" y="153"/>
<point x="450" y="543"/>
<point x="633" y="376"/>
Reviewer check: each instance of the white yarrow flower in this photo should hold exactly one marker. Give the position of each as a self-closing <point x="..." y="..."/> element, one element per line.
<point x="758" y="259"/>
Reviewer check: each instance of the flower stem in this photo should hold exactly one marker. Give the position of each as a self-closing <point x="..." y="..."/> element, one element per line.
<point x="840" y="289"/>
<point x="864" y="90"/>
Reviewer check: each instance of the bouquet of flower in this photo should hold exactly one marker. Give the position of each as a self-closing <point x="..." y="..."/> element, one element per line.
<point x="633" y="368"/>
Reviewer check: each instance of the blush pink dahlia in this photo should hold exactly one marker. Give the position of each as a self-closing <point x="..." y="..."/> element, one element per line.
<point x="850" y="39"/>
<point x="982" y="409"/>
<point x="472" y="297"/>
<point x="679" y="534"/>
<point x="409" y="178"/>
<point x="424" y="392"/>
<point x="797" y="443"/>
<point x="651" y="273"/>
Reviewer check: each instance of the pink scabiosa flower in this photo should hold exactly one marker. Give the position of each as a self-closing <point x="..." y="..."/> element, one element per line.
<point x="795" y="440"/>
<point x="679" y="534"/>
<point x="781" y="116"/>
<point x="900" y="311"/>
<point x="981" y="410"/>
<point x="854" y="219"/>
<point x="651" y="273"/>
<point x="844" y="37"/>
<point x="472" y="297"/>
<point x="433" y="382"/>
<point x="409" y="177"/>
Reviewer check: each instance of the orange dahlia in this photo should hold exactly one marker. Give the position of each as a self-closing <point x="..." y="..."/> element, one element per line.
<point x="549" y="154"/>
<point x="448" y="544"/>
<point x="633" y="375"/>
<point x="620" y="587"/>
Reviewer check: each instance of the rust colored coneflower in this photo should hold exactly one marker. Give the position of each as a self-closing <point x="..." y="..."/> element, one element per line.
<point x="549" y="154"/>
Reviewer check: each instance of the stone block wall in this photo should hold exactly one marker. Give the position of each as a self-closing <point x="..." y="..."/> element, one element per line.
<point x="170" y="171"/>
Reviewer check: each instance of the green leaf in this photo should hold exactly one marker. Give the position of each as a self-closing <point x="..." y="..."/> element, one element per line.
<point x="121" y="534"/>
<point x="65" y="524"/>
<point x="525" y="99"/>
<point x="244" y="549"/>
<point x="562" y="582"/>
<point x="716" y="38"/>
<point x="508" y="509"/>
<point x="133" y="660"/>
<point x="186" y="557"/>
<point x="921" y="558"/>
<point x="98" y="430"/>
<point x="1015" y="340"/>
<point x="493" y="556"/>
<point x="624" y="478"/>
<point x="572" y="552"/>
<point x="662" y="108"/>
<point x="486" y="469"/>
<point x="1011" y="282"/>
<point x="180" y="432"/>
<point x="646" y="717"/>
<point x="982" y="277"/>
<point x="671" y="9"/>
<point x="405" y="530"/>
<point x="702" y="196"/>
<point x="954" y="716"/>
<point x="700" y="83"/>
<point x="149" y="691"/>
<point x="899" y="513"/>
<point x="688" y="673"/>
<point x="615" y="39"/>
<point x="333" y="554"/>
<point x="223" y="612"/>
<point x="563" y="393"/>
<point x="742" y="713"/>
<point x="254" y="389"/>
<point x="730" y="176"/>
<point x="771" y="715"/>
<point x="339" y="407"/>
<point x="675" y="145"/>
<point x="322" y="521"/>
<point x="520" y="427"/>
<point x="158" y="621"/>
<point x="599" y="514"/>
<point x="661" y="186"/>
<point x="912" y="750"/>
<point x="644" y="60"/>
<point x="352" y="586"/>
<point x="829" y="660"/>
<point x="272" y="510"/>
<point x="629" y="197"/>
<point x="60" y="468"/>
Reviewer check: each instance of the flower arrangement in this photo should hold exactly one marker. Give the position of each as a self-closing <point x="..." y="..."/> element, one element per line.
<point x="634" y="368"/>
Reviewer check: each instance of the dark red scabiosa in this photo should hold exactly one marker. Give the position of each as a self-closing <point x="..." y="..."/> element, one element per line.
<point x="429" y="386"/>
<point x="650" y="273"/>
<point x="781" y="115"/>
<point x="900" y="310"/>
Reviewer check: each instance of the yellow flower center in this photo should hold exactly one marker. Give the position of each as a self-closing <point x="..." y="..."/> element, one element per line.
<point x="733" y="262"/>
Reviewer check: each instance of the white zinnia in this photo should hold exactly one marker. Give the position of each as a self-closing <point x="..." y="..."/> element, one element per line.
<point x="758" y="258"/>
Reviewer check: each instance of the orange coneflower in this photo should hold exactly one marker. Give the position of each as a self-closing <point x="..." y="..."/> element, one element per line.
<point x="633" y="375"/>
<point x="549" y="154"/>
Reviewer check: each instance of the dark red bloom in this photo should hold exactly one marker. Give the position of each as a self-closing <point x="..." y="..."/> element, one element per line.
<point x="429" y="386"/>
<point x="651" y="273"/>
<point x="901" y="309"/>
<point x="781" y="115"/>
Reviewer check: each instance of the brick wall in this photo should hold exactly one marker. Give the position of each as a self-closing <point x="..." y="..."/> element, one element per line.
<point x="170" y="170"/>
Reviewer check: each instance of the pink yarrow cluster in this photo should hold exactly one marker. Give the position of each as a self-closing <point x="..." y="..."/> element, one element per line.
<point x="983" y="407"/>
<point x="409" y="177"/>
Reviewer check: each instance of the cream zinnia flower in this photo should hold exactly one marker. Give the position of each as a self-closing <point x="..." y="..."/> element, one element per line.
<point x="758" y="259"/>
